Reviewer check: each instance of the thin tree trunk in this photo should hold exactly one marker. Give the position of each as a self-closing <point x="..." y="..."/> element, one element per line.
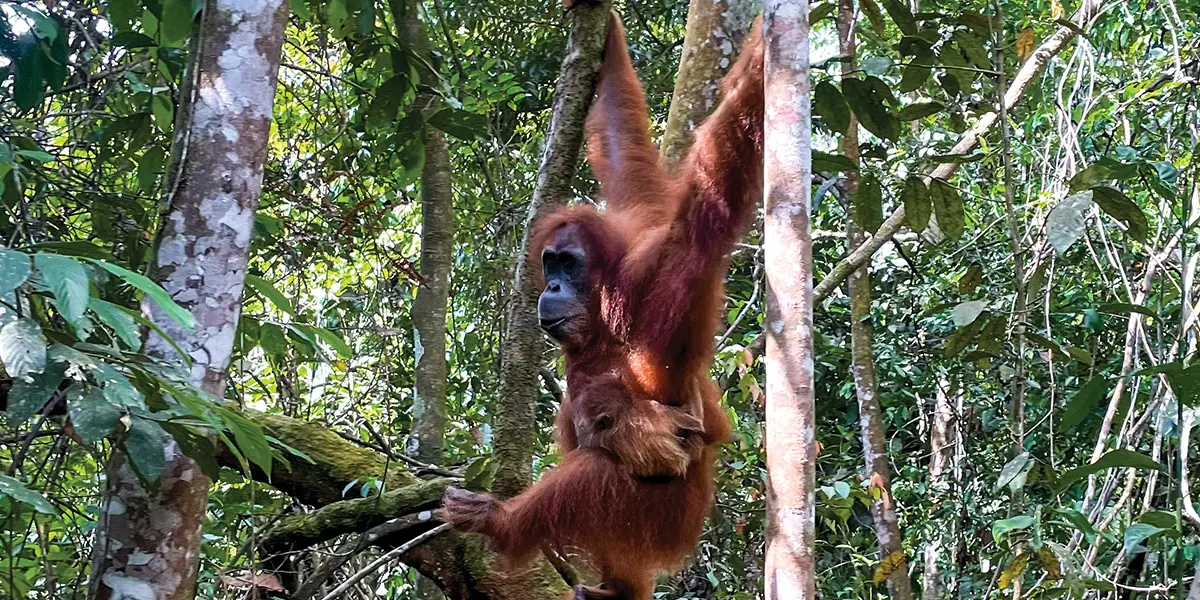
<point x="149" y="543"/>
<point x="791" y="449"/>
<point x="521" y="352"/>
<point x="883" y="509"/>
<point x="941" y="451"/>
<point x="715" y="30"/>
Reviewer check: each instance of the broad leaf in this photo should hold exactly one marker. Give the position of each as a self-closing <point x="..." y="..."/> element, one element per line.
<point x="1013" y="469"/>
<point x="1121" y="208"/>
<point x="868" y="204"/>
<point x="160" y="296"/>
<point x="920" y="110"/>
<point x="1004" y="527"/>
<point x="1116" y="458"/>
<point x="122" y="323"/>
<point x="1067" y="221"/>
<point x="870" y="107"/>
<point x="829" y="104"/>
<point x="823" y="162"/>
<point x="916" y="72"/>
<point x="93" y="416"/>
<point x="67" y="279"/>
<point x="145" y="445"/>
<point x="1090" y="177"/>
<point x="948" y="207"/>
<point x="269" y="291"/>
<point x="14" y="270"/>
<point x="22" y="348"/>
<point x="1137" y="533"/>
<point x="1082" y="404"/>
<point x="966" y="313"/>
<point x="250" y="440"/>
<point x="30" y="393"/>
<point x="917" y="204"/>
<point x="460" y="123"/>
<point x="16" y="490"/>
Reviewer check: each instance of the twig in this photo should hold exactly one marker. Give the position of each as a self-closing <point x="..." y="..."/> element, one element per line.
<point x="391" y="555"/>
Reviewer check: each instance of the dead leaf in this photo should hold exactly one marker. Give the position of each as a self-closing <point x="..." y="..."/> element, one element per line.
<point x="1056" y="10"/>
<point x="1025" y="44"/>
<point x="890" y="564"/>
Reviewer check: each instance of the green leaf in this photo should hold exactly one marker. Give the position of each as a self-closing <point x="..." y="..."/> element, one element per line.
<point x="901" y="15"/>
<point x="29" y="394"/>
<point x="965" y="313"/>
<point x="920" y="110"/>
<point x="1076" y="520"/>
<point x="1137" y="533"/>
<point x="956" y="66"/>
<point x="1082" y="404"/>
<point x="250" y="440"/>
<point x="874" y="16"/>
<point x="67" y="280"/>
<point x="1003" y="527"/>
<point x="917" y="206"/>
<point x="177" y="17"/>
<point x="916" y="72"/>
<point x="16" y="490"/>
<point x="37" y="156"/>
<point x="117" y="387"/>
<point x="121" y="322"/>
<point x="1012" y="469"/>
<point x="388" y="96"/>
<point x="831" y="163"/>
<point x="869" y="106"/>
<point x="22" y="348"/>
<point x="972" y="48"/>
<point x="334" y="340"/>
<point x="829" y="104"/>
<point x="269" y="291"/>
<point x="14" y="270"/>
<point x="460" y="123"/>
<point x="149" y="167"/>
<point x="76" y="248"/>
<point x="1116" y="458"/>
<point x="29" y="82"/>
<point x="145" y="446"/>
<point x="1121" y="208"/>
<point x="948" y="207"/>
<point x="1046" y="343"/>
<point x="1159" y="518"/>
<point x="1066" y="222"/>
<point x="160" y="296"/>
<point x="130" y="39"/>
<point x="1080" y="355"/>
<point x="1090" y="177"/>
<point x="959" y="340"/>
<point x="92" y="415"/>
<point x="868" y="204"/>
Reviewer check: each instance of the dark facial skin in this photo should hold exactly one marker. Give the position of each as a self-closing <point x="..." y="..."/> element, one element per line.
<point x="563" y="305"/>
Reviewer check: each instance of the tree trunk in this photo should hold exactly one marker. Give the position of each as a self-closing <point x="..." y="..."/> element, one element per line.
<point x="148" y="545"/>
<point x="870" y="414"/>
<point x="715" y="29"/>
<point x="941" y="450"/>
<point x="521" y="352"/>
<point x="791" y="451"/>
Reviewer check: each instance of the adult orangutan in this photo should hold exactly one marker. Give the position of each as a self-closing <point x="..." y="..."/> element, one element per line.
<point x="632" y="294"/>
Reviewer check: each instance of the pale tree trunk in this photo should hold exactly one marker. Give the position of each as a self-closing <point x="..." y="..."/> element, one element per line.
<point x="791" y="450"/>
<point x="878" y="471"/>
<point x="942" y="440"/>
<point x="426" y="441"/>
<point x="437" y="260"/>
<point x="148" y="545"/>
<point x="521" y="352"/>
<point x="715" y="30"/>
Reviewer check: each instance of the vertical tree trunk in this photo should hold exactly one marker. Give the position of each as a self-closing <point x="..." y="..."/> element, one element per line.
<point x="521" y="351"/>
<point x="149" y="544"/>
<point x="437" y="260"/>
<point x="878" y="471"/>
<point x="941" y="449"/>
<point x="791" y="451"/>
<point x="715" y="29"/>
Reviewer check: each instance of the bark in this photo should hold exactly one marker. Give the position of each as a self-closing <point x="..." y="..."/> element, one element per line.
<point x="874" y="435"/>
<point x="437" y="260"/>
<point x="429" y="307"/>
<point x="148" y="544"/>
<point x="460" y="564"/>
<point x="521" y="352"/>
<point x="941" y="451"/>
<point x="791" y="456"/>
<point x="715" y="30"/>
